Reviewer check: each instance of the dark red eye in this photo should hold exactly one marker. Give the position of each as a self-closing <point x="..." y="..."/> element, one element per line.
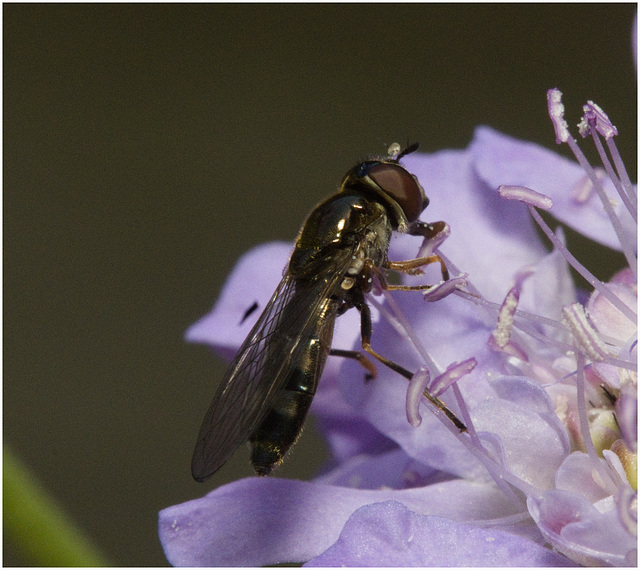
<point x="400" y="186"/>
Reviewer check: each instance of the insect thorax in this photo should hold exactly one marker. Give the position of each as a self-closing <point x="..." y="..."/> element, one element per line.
<point x="343" y="225"/>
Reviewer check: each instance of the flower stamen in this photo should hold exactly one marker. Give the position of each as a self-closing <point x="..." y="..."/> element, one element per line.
<point x="596" y="118"/>
<point x="452" y="374"/>
<point x="581" y="269"/>
<point x="584" y="335"/>
<point x="526" y="195"/>
<point x="502" y="333"/>
<point x="417" y="385"/>
<point x="556" y="112"/>
<point x="622" y="172"/>
<point x="444" y="289"/>
<point x="626" y="200"/>
<point x="432" y="243"/>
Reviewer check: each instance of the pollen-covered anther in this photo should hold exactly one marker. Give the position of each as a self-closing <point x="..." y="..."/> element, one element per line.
<point x="556" y="112"/>
<point x="502" y="334"/>
<point x="595" y="117"/>
<point x="526" y="195"/>
<point x="585" y="337"/>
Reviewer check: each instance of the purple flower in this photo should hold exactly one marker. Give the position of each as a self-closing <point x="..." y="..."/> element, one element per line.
<point x="546" y="474"/>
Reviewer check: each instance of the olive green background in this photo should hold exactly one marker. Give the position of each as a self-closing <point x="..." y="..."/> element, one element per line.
<point x="147" y="146"/>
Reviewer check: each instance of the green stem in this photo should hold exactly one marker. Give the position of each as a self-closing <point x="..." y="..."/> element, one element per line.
<point x="35" y="523"/>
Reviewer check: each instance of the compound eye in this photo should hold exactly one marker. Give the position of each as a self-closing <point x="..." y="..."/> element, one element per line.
<point x="401" y="186"/>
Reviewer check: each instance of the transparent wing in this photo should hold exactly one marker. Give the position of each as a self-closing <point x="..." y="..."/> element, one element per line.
<point x="257" y="372"/>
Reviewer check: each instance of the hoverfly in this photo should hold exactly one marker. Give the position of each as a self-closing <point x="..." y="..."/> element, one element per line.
<point x="268" y="388"/>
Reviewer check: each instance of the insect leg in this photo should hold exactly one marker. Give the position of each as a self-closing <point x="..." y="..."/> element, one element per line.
<point x="361" y="358"/>
<point x="390" y="265"/>
<point x="412" y="266"/>
<point x="365" y="331"/>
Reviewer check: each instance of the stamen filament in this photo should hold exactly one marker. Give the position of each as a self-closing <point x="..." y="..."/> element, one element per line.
<point x="472" y="293"/>
<point x="612" y="175"/>
<point x="402" y="327"/>
<point x="622" y="173"/>
<point x="582" y="409"/>
<point x="582" y="270"/>
<point x="594" y="119"/>
<point x="500" y="475"/>
<point x="495" y="307"/>
<point x="625" y="241"/>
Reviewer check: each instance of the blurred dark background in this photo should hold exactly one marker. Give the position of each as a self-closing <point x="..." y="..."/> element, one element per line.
<point x="147" y="146"/>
